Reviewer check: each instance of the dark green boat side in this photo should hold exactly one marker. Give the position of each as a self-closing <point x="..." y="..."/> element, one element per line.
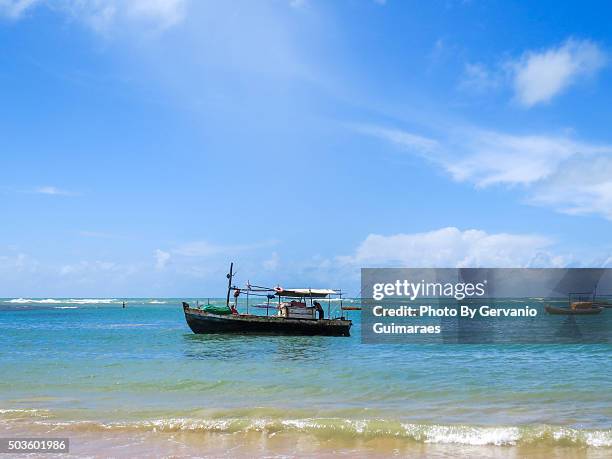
<point x="203" y="322"/>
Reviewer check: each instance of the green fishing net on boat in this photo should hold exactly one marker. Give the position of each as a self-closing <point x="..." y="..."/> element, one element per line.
<point x="217" y="309"/>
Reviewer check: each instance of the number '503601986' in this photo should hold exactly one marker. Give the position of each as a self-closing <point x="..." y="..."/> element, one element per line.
<point x="39" y="445"/>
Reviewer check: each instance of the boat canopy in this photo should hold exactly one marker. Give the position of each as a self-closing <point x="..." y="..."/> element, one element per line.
<point x="305" y="292"/>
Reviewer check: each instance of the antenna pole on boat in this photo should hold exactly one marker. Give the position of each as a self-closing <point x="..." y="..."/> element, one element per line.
<point x="229" y="283"/>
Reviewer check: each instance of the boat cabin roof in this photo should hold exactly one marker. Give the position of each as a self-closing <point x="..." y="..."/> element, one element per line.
<point x="305" y="292"/>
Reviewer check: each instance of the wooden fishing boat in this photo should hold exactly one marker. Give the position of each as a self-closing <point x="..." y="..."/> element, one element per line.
<point x="579" y="304"/>
<point x="203" y="322"/>
<point x="293" y="315"/>
<point x="571" y="312"/>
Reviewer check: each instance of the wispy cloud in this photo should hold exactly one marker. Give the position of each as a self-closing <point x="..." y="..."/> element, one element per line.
<point x="402" y="138"/>
<point x="97" y="234"/>
<point x="541" y="75"/>
<point x="100" y="15"/>
<point x="570" y="175"/>
<point x="90" y="267"/>
<point x="206" y="248"/>
<point x="490" y="158"/>
<point x="14" y="9"/>
<point x="17" y="262"/>
<point x="54" y="191"/>
<point x="161" y="259"/>
<point x="271" y="264"/>
<point x="580" y="186"/>
<point x="297" y="3"/>
<point x="478" y="77"/>
<point x="165" y="12"/>
<point x="189" y="257"/>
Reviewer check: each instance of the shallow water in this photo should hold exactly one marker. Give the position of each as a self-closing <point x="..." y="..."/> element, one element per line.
<point x="86" y="365"/>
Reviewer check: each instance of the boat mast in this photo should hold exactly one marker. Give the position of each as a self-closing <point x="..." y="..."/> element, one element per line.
<point x="229" y="283"/>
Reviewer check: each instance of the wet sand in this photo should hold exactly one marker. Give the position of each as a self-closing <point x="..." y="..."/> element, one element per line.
<point x="94" y="442"/>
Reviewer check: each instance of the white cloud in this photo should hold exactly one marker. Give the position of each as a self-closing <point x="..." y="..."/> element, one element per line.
<point x="206" y="249"/>
<point x="417" y="143"/>
<point x="580" y="187"/>
<point x="271" y="264"/>
<point x="17" y="263"/>
<point x="92" y="268"/>
<point x="451" y="247"/>
<point x="161" y="259"/>
<point x="207" y="260"/>
<point x="51" y="190"/>
<point x="100" y="15"/>
<point x="165" y="12"/>
<point x="569" y="175"/>
<point x="13" y="9"/>
<point x="97" y="234"/>
<point x="439" y="248"/>
<point x="490" y="158"/>
<point x="479" y="78"/>
<point x="539" y="76"/>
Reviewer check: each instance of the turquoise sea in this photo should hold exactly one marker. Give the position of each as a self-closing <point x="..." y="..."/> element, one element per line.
<point x="91" y="369"/>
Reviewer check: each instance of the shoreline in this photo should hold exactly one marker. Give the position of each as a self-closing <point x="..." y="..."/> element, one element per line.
<point x="101" y="442"/>
<point x="305" y="437"/>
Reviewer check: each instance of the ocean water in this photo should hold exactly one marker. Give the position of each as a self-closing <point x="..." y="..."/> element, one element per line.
<point x="90" y="369"/>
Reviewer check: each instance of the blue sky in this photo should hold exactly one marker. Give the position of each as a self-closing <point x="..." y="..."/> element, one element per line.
<point x="145" y="144"/>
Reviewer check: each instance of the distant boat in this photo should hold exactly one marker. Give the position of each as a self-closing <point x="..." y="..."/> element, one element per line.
<point x="571" y="312"/>
<point x="293" y="314"/>
<point x="579" y="304"/>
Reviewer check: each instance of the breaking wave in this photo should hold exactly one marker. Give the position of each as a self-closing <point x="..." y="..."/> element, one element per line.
<point x="64" y="301"/>
<point x="82" y="301"/>
<point x="365" y="429"/>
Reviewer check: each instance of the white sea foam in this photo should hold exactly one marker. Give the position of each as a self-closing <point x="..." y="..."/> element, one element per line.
<point x="33" y="301"/>
<point x="598" y="438"/>
<point x="78" y="301"/>
<point x="425" y="433"/>
<point x="64" y="301"/>
<point x="25" y="410"/>
<point x="18" y="415"/>
<point x="92" y="301"/>
<point x="465" y="435"/>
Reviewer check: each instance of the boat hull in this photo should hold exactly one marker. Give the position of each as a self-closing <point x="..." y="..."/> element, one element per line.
<point x="202" y="322"/>
<point x="573" y="312"/>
